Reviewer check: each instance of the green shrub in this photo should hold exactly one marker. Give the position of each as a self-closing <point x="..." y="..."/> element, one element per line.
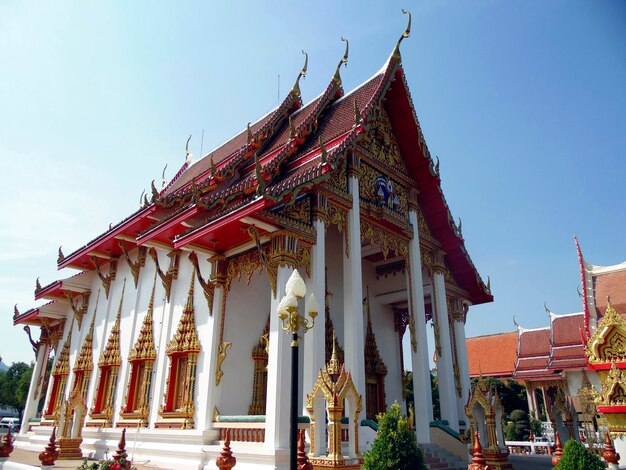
<point x="395" y="448"/>
<point x="517" y="428"/>
<point x="577" y="457"/>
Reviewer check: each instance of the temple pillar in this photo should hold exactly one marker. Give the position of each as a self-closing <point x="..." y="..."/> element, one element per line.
<point x="282" y="256"/>
<point x="36" y="381"/>
<point x="545" y="404"/>
<point x="530" y="398"/>
<point x="445" y="372"/>
<point x="462" y="361"/>
<point x="314" y="340"/>
<point x="423" y="402"/>
<point x="354" y="342"/>
<point x="218" y="278"/>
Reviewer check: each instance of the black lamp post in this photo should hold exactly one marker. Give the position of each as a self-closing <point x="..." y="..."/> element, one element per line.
<point x="292" y="322"/>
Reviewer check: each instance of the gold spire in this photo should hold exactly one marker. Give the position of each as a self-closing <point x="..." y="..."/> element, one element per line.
<point x="343" y="61"/>
<point x="144" y="346"/>
<point x="302" y="74"/>
<point x="62" y="365"/>
<point x="334" y="367"/>
<point x="405" y="34"/>
<point x="84" y="362"/>
<point x="111" y="354"/>
<point x="186" y="337"/>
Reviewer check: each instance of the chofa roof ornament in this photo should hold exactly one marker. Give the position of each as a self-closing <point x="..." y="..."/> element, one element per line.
<point x="302" y="74"/>
<point x="405" y="34"/>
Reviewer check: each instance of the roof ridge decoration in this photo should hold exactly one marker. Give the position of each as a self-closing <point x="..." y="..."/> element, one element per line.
<point x="84" y="362"/>
<point x="111" y="354"/>
<point x="61" y="367"/>
<point x="186" y="339"/>
<point x="343" y="61"/>
<point x="608" y="342"/>
<point x="407" y="33"/>
<point x="254" y="140"/>
<point x="143" y="348"/>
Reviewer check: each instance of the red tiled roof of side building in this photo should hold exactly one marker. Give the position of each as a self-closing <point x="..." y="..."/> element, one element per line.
<point x="492" y="355"/>
<point x="533" y="343"/>
<point x="611" y="285"/>
<point x="567" y="329"/>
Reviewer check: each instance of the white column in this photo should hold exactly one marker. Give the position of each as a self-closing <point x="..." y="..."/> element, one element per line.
<point x="36" y="382"/>
<point x="545" y="404"/>
<point x="531" y="403"/>
<point x="214" y="393"/>
<point x="278" y="373"/>
<point x="461" y="351"/>
<point x="314" y="339"/>
<point x="419" y="357"/>
<point x="354" y="341"/>
<point x="445" y="373"/>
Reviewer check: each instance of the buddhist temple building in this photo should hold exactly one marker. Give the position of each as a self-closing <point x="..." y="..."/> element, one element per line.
<point x="178" y="302"/>
<point x="574" y="368"/>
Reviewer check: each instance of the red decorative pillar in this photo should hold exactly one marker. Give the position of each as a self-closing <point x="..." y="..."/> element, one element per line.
<point x="226" y="460"/>
<point x="120" y="454"/>
<point x="50" y="453"/>
<point x="7" y="445"/>
<point x="609" y="454"/>
<point x="478" y="461"/>
<point x="558" y="452"/>
<point x="303" y="459"/>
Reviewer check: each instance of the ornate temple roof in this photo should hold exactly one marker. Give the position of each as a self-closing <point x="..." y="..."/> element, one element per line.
<point x="533" y="354"/>
<point x="567" y="349"/>
<point x="492" y="355"/>
<point x="281" y="156"/>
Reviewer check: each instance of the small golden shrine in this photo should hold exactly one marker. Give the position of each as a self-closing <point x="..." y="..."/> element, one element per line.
<point x="334" y="386"/>
<point x="606" y="352"/>
<point x="485" y="412"/>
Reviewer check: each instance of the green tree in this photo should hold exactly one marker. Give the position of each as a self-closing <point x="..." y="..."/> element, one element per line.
<point x="517" y="429"/>
<point x="14" y="385"/>
<point x="434" y="389"/>
<point x="395" y="448"/>
<point x="577" y="457"/>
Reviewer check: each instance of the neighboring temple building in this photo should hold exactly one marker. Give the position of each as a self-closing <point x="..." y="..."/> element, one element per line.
<point x="170" y="329"/>
<point x="492" y="355"/>
<point x="574" y="369"/>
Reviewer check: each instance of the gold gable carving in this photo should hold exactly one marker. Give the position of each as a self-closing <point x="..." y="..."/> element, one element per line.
<point x="608" y="342"/>
<point x="380" y="143"/>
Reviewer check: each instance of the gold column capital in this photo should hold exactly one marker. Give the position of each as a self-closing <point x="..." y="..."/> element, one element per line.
<point x="411" y="199"/>
<point x="284" y="249"/>
<point x="219" y="264"/>
<point x="354" y="165"/>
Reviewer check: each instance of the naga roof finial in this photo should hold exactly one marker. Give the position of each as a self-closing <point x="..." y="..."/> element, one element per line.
<point x="302" y="74"/>
<point x="343" y="61"/>
<point x="545" y="307"/>
<point x="405" y="34"/>
<point x="188" y="156"/>
<point x="163" y="180"/>
<point x="61" y="255"/>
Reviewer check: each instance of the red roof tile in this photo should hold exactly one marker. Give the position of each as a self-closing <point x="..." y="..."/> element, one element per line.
<point x="492" y="355"/>
<point x="610" y="285"/>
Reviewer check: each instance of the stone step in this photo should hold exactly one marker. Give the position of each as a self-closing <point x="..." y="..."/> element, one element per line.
<point x="437" y="458"/>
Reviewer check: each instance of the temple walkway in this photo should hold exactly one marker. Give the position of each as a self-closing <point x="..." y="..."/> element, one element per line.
<point x="531" y="462"/>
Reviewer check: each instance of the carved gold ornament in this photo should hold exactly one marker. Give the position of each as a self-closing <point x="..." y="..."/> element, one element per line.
<point x="135" y="266"/>
<point x="608" y="342"/>
<point x="221" y="357"/>
<point x="172" y="271"/>
<point x="106" y="279"/>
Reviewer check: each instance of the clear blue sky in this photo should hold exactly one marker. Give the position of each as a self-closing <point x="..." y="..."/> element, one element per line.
<point x="524" y="103"/>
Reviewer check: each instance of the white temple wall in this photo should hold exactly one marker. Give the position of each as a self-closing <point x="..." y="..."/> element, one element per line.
<point x="383" y="327"/>
<point x="247" y="308"/>
<point x="334" y="285"/>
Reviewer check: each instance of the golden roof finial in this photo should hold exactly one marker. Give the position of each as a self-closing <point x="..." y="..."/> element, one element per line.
<point x="343" y="61"/>
<point x="187" y="152"/>
<point x="405" y="34"/>
<point x="302" y="74"/>
<point x="333" y="367"/>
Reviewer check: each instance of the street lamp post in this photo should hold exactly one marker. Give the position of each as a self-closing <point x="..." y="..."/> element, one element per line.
<point x="291" y="322"/>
